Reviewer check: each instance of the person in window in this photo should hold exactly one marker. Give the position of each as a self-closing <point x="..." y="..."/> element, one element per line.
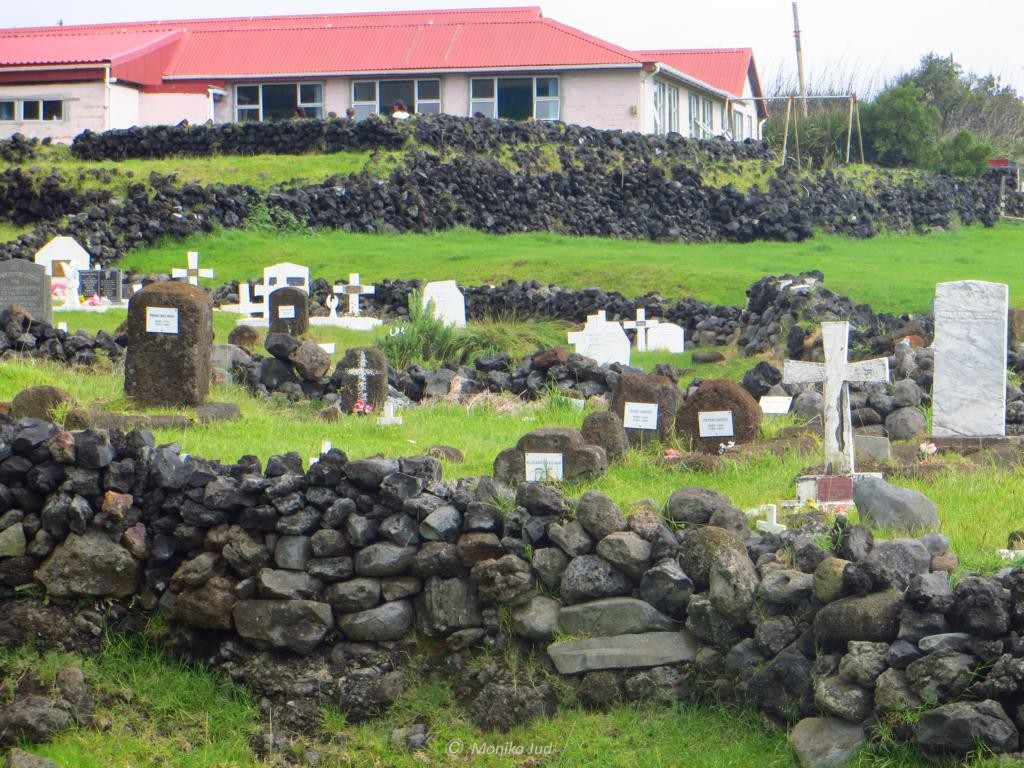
<point x="399" y="112"/>
<point x="350" y="113"/>
<point x="298" y="114"/>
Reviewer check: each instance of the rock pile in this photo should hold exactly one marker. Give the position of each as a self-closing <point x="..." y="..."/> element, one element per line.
<point x="19" y="333"/>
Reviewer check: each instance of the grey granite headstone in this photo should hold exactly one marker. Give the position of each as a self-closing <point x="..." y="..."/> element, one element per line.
<point x="288" y="311"/>
<point x="969" y="389"/>
<point x="27" y="285"/>
<point x="105" y="283"/>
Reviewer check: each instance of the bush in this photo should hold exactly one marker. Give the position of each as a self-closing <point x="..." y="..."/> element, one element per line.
<point x="901" y="129"/>
<point x="963" y="155"/>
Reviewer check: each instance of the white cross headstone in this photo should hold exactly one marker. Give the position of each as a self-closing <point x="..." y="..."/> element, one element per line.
<point x="390" y="418"/>
<point x="771" y="524"/>
<point x="192" y="273"/>
<point x="63" y="258"/>
<point x="353" y="290"/>
<point x="449" y="303"/>
<point x="969" y="389"/>
<point x="281" y="275"/>
<point x="602" y="340"/>
<point x="245" y="305"/>
<point x="666" y="337"/>
<point x="835" y="372"/>
<point x="641" y="325"/>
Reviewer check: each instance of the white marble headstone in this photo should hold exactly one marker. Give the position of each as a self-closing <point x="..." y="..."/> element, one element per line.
<point x="281" y="275"/>
<point x="602" y="340"/>
<point x="63" y="258"/>
<point x="969" y="386"/>
<point x="666" y="337"/>
<point x="449" y="303"/>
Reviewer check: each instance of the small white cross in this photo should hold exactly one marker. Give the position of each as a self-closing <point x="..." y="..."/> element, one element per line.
<point x="772" y="524"/>
<point x="244" y="305"/>
<point x="641" y="325"/>
<point x="193" y="273"/>
<point x="835" y="372"/>
<point x="353" y="290"/>
<point x="362" y="373"/>
<point x="389" y="419"/>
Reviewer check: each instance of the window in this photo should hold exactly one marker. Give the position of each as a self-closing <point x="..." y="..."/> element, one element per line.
<point x="278" y="101"/>
<point x="706" y="118"/>
<point x="666" y="108"/>
<point x="516" y="98"/>
<point x="659" y="107"/>
<point x="695" y="132"/>
<point x="672" y="123"/>
<point x="750" y="127"/>
<point x="7" y="110"/>
<point x="737" y="126"/>
<point x="373" y="97"/>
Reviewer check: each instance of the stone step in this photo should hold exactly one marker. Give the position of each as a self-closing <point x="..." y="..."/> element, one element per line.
<point x="649" y="649"/>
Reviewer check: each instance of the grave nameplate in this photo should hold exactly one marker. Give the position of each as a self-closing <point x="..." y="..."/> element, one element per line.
<point x="288" y="311"/>
<point x="969" y="389"/>
<point x="162" y="320"/>
<point x="543" y="466"/>
<point x="640" y="416"/>
<point x="27" y="285"/>
<point x="105" y="283"/>
<point x="775" y="404"/>
<point x="715" y="423"/>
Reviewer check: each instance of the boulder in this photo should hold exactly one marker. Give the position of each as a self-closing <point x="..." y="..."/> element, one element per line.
<point x="537" y="618"/>
<point x="446" y="606"/>
<point x="696" y="505"/>
<point x="905" y="423"/>
<point x="599" y="515"/>
<point x="650" y="649"/>
<point x="732" y="584"/>
<point x="298" y="625"/>
<point x="874" y="617"/>
<point x="39" y="402"/>
<point x="589" y="577"/>
<point x="700" y="547"/>
<point x="883" y="505"/>
<point x="389" y="621"/>
<point x="580" y="461"/>
<point x="954" y="730"/>
<point x="626" y="551"/>
<point x="90" y="565"/>
<point x="719" y="395"/>
<point x="826" y="742"/>
<point x="613" y="616"/>
<point x="783" y="687"/>
<point x="508" y="579"/>
<point x="604" y="428"/>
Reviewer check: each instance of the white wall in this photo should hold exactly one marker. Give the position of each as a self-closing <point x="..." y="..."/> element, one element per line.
<point x="172" y="108"/>
<point x="124" y="106"/>
<point x="84" y="107"/>
<point x="609" y="99"/>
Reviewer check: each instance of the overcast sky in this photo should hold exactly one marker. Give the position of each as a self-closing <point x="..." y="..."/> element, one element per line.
<point x="868" y="41"/>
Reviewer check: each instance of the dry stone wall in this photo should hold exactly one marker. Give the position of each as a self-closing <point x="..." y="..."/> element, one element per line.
<point x="688" y="604"/>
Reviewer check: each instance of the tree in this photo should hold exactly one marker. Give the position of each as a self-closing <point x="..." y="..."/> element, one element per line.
<point x="901" y="129"/>
<point x="963" y="155"/>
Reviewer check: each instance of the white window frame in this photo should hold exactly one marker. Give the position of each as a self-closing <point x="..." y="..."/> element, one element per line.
<point x="365" y="109"/>
<point x="737" y="126"/>
<point x="660" y="97"/>
<point x="672" y="114"/>
<point x="750" y="127"/>
<point x="258" y="106"/>
<point x="693" y="104"/>
<point x="491" y="105"/>
<point x="707" y="118"/>
<point x="18" y="110"/>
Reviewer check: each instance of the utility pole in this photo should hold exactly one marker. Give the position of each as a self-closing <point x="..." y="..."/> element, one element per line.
<point x="799" y="61"/>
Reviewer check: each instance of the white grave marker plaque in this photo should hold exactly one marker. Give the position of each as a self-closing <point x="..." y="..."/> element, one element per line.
<point x="449" y="303"/>
<point x="715" y="423"/>
<point x="286" y="312"/>
<point x="602" y="340"/>
<point x="543" y="466"/>
<point x="162" y="320"/>
<point x="775" y="404"/>
<point x="666" y="337"/>
<point x="640" y="416"/>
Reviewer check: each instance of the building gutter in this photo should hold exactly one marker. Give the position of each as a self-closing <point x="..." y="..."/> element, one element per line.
<point x="393" y="72"/>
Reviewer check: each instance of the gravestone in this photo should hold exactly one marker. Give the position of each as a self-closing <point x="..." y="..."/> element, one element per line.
<point x="362" y="377"/>
<point x="170" y="332"/>
<point x="775" y="405"/>
<point x="192" y="272"/>
<point x="353" y="290"/>
<point x="245" y="304"/>
<point x="354" y="320"/>
<point x="288" y="311"/>
<point x="449" y="303"/>
<point x="544" y="453"/>
<point x="718" y="413"/>
<point x="105" y="283"/>
<point x="642" y="326"/>
<point x="602" y="340"/>
<point x="969" y="389"/>
<point x="834" y="373"/>
<point x="27" y="285"/>
<point x="63" y="258"/>
<point x="666" y="337"/>
<point x="647" y="405"/>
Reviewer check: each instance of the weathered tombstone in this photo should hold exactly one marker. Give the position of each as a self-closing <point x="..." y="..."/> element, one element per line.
<point x="666" y="337"/>
<point x="449" y="303"/>
<point x="872" y="447"/>
<point x="602" y="340"/>
<point x="63" y="258"/>
<point x="104" y="283"/>
<point x="27" y="285"/>
<point x="362" y="380"/>
<point x="170" y="332"/>
<point x="288" y="311"/>
<point x="775" y="405"/>
<point x="543" y="453"/>
<point x="969" y="389"/>
<point x="718" y="413"/>
<point x="192" y="272"/>
<point x="835" y="372"/>
<point x="647" y="405"/>
<point x="642" y="326"/>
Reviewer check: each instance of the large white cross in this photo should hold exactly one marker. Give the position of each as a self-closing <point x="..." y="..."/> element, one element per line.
<point x="193" y="273"/>
<point x="835" y="373"/>
<point x="362" y="373"/>
<point x="353" y="290"/>
<point x="640" y="325"/>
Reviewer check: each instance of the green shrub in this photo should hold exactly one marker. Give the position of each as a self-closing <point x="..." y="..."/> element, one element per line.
<point x="901" y="129"/>
<point x="263" y="218"/>
<point x="963" y="155"/>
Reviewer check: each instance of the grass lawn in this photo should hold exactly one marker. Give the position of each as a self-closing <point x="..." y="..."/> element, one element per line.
<point x="893" y="273"/>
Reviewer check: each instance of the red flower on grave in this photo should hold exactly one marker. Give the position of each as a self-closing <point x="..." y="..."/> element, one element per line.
<point x="362" y="408"/>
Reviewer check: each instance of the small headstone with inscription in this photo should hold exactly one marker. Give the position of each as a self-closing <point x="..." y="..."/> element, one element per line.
<point x="666" y="337"/>
<point x="449" y="302"/>
<point x="602" y="340"/>
<point x="361" y="379"/>
<point x="27" y="285"/>
<point x="102" y="283"/>
<point x="647" y="405"/>
<point x="719" y="412"/>
<point x="288" y="311"/>
<point x="170" y="333"/>
<point x="551" y="453"/>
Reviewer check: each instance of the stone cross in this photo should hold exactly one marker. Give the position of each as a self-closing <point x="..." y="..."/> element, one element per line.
<point x="389" y="419"/>
<point x="771" y="524"/>
<point x="193" y="272"/>
<point x="640" y="325"/>
<point x="361" y="372"/>
<point x="353" y="290"/>
<point x="835" y="373"/>
<point x="244" y="305"/>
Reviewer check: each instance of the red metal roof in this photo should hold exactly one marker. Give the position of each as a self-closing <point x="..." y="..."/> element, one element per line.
<point x="723" y="68"/>
<point x="55" y="46"/>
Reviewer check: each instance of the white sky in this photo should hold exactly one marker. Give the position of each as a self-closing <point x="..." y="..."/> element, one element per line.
<point x="868" y="41"/>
